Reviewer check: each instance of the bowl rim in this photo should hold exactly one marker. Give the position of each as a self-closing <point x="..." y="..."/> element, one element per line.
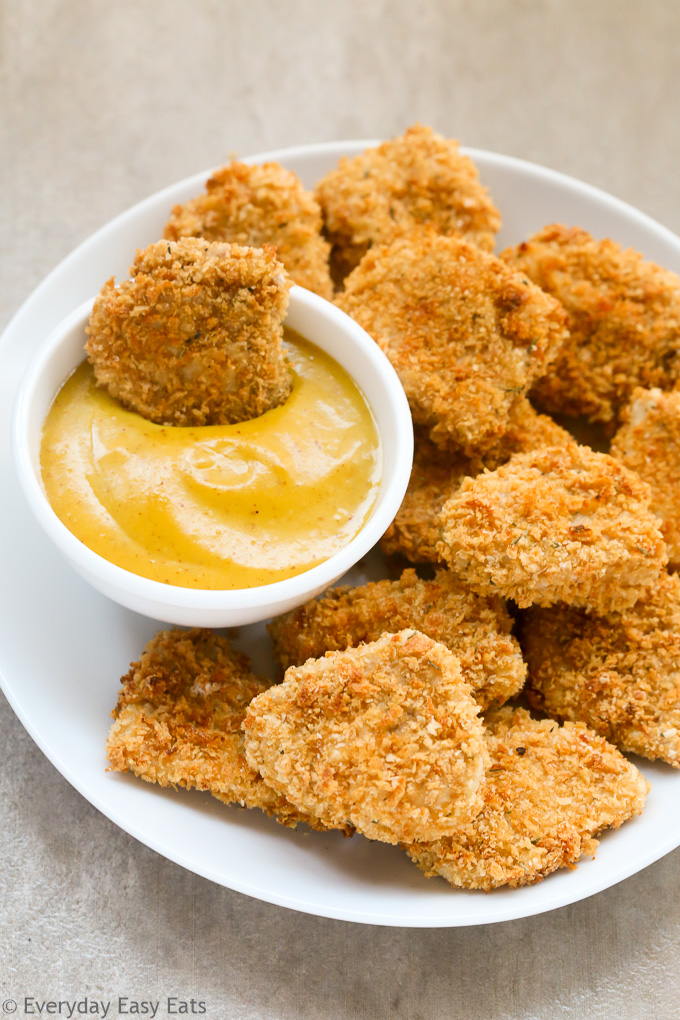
<point x="389" y="495"/>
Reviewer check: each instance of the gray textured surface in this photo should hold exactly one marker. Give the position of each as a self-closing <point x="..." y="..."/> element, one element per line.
<point x="103" y="103"/>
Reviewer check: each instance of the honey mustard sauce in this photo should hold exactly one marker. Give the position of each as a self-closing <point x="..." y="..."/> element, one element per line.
<point x="223" y="506"/>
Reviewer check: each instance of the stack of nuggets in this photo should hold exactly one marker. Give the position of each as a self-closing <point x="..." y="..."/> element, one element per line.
<point x="419" y="179"/>
<point x="386" y="739"/>
<point x="477" y="629"/>
<point x="550" y="790"/>
<point x="179" y="716"/>
<point x="395" y="717"/>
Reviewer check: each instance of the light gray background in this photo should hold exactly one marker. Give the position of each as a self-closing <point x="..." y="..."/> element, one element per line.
<point x="104" y="102"/>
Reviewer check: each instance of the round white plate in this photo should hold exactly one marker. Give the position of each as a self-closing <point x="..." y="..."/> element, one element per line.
<point x="64" y="647"/>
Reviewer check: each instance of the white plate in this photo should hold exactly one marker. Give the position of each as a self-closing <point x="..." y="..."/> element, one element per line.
<point x="64" y="646"/>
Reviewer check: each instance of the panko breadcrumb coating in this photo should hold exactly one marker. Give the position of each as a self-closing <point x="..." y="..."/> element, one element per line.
<point x="466" y="335"/>
<point x="649" y="443"/>
<point x="178" y="721"/>
<point x="384" y="737"/>
<point x="556" y="524"/>
<point x="526" y="430"/>
<point x="258" y="205"/>
<point x="619" y="673"/>
<point x="437" y="475"/>
<point x="474" y="628"/>
<point x="194" y="337"/>
<point x="419" y="179"/>
<point x="549" y="790"/>
<point x="624" y="320"/>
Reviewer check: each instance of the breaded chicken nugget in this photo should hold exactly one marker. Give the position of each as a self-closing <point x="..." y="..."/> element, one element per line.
<point x="619" y="673"/>
<point x="624" y="320"/>
<point x="549" y="790"/>
<point x="437" y="475"/>
<point x="384" y="737"/>
<point x="258" y="205"/>
<point x="178" y="721"/>
<point x="419" y="179"/>
<point x="649" y="443"/>
<point x="466" y="335"/>
<point x="194" y="337"/>
<point x="557" y="524"/>
<point x="526" y="430"/>
<point x="476" y="629"/>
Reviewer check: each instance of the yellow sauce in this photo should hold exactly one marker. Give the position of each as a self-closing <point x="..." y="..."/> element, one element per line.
<point x="221" y="506"/>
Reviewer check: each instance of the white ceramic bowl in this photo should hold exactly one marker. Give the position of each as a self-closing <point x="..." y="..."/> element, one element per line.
<point x="321" y="323"/>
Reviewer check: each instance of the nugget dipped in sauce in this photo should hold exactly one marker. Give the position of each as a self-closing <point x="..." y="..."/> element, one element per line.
<point x="194" y="337"/>
<point x="466" y="335"/>
<point x="419" y="179"/>
<point x="258" y="205"/>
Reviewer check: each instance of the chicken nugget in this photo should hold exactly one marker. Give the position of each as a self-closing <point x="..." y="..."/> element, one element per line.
<point x="624" y="320"/>
<point x="419" y="179"/>
<point x="619" y="673"/>
<point x="178" y="721"/>
<point x="466" y="335"/>
<point x="649" y="443"/>
<point x="437" y="475"/>
<point x="258" y="205"/>
<point x="526" y="430"/>
<point x="549" y="790"/>
<point x="385" y="737"/>
<point x="474" y="628"/>
<point x="556" y="524"/>
<point x="195" y="336"/>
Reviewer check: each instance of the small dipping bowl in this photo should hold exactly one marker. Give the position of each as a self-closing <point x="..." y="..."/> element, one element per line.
<point x="323" y="325"/>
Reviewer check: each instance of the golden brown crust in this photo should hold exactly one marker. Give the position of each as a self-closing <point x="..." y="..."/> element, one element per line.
<point x="194" y="337"/>
<point x="549" y="790"/>
<point x="419" y="179"/>
<point x="619" y="673"/>
<point x="556" y="524"/>
<point x="526" y="430"/>
<point x="476" y="629"/>
<point x="466" y="335"/>
<point x="385" y="737"/>
<point x="178" y="721"/>
<point x="437" y="475"/>
<point x="624" y="320"/>
<point x="258" y="205"/>
<point x="649" y="443"/>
